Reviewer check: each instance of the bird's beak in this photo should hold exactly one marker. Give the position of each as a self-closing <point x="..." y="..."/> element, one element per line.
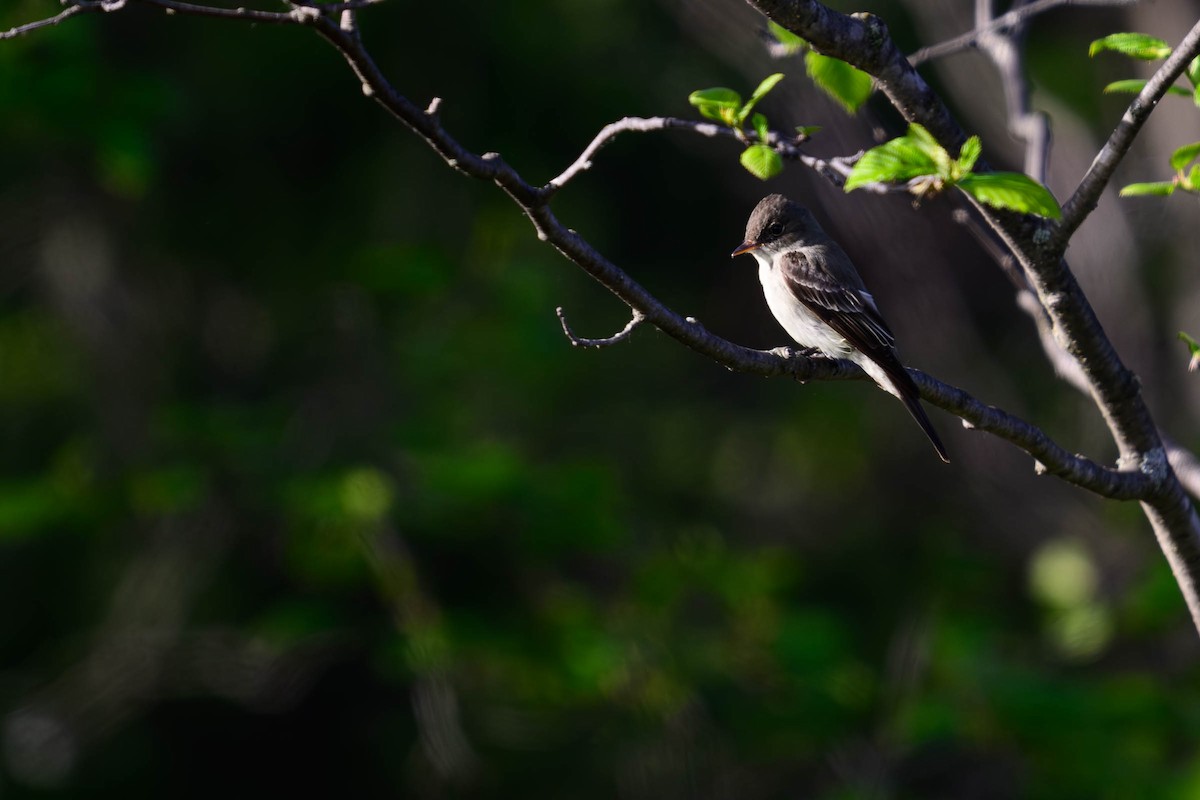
<point x="744" y="247"/>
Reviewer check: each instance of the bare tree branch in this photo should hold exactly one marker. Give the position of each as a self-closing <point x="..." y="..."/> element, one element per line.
<point x="62" y="16"/>
<point x="620" y="336"/>
<point x="1002" y="47"/>
<point x="638" y="124"/>
<point x="1002" y="24"/>
<point x="297" y="15"/>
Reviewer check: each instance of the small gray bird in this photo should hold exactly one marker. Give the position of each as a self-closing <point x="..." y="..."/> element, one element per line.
<point x="816" y="294"/>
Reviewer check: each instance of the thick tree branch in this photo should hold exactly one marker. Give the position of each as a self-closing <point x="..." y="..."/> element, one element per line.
<point x="997" y="38"/>
<point x="1053" y="458"/>
<point x="1183" y="461"/>
<point x="862" y="40"/>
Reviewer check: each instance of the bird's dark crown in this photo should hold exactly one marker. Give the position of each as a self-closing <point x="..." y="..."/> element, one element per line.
<point x="777" y="219"/>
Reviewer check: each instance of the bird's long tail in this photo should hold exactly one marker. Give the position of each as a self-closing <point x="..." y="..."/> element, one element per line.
<point x="896" y="380"/>
<point x="913" y="404"/>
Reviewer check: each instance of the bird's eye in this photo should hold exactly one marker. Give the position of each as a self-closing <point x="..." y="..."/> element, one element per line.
<point x="775" y="228"/>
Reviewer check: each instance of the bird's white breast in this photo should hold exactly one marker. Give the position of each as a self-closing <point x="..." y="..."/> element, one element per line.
<point x="800" y="323"/>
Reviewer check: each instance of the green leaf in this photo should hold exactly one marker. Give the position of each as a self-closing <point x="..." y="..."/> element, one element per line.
<point x="1193" y="72"/>
<point x="768" y="83"/>
<point x="1128" y="86"/>
<point x="968" y="155"/>
<point x="759" y="123"/>
<point x="921" y="135"/>
<point x="1013" y="191"/>
<point x="1159" y="188"/>
<point x="898" y="160"/>
<point x="1196" y="97"/>
<point x="761" y="161"/>
<point x="1134" y="45"/>
<point x="1194" y="349"/>
<point x="849" y="86"/>
<point x="1181" y="157"/>
<point x="807" y="131"/>
<point x="718" y="103"/>
<point x="791" y="42"/>
<point x="1192" y="182"/>
<point x="929" y="145"/>
<point x="1135" y="85"/>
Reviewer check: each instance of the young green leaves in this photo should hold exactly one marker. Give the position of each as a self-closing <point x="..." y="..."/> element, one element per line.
<point x="1145" y="48"/>
<point x="1185" y="180"/>
<point x="760" y="159"/>
<point x="917" y="158"/>
<point x="726" y="106"/>
<point x="1134" y="45"/>
<point x="849" y="86"/>
<point x="1148" y="48"/>
<point x="1193" y="349"/>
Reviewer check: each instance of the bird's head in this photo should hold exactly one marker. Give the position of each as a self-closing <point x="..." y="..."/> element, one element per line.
<point x="776" y="224"/>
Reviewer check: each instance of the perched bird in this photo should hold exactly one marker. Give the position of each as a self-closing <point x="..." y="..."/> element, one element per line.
<point x="816" y="294"/>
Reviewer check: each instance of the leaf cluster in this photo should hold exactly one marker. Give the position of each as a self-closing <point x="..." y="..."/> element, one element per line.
<point x="918" y="159"/>
<point x="1149" y="48"/>
<point x="725" y="106"/>
<point x="848" y="86"/>
<point x="1145" y="48"/>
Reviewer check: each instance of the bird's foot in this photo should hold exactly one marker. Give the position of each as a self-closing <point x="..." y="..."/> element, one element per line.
<point x="803" y="352"/>
<point x="791" y="353"/>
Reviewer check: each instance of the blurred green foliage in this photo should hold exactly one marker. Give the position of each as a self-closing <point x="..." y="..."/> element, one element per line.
<point x="303" y="488"/>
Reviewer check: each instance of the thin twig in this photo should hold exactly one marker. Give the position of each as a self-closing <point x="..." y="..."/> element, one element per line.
<point x="620" y="336"/>
<point x="635" y="124"/>
<point x="835" y="170"/>
<point x="337" y="8"/>
<point x="62" y="16"/>
<point x="788" y="147"/>
<point x="297" y="15"/>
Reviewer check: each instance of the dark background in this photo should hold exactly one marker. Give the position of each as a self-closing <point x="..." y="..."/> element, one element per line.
<point x="303" y="488"/>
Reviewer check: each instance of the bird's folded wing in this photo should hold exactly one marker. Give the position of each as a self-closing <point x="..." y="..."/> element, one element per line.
<point x="848" y="310"/>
